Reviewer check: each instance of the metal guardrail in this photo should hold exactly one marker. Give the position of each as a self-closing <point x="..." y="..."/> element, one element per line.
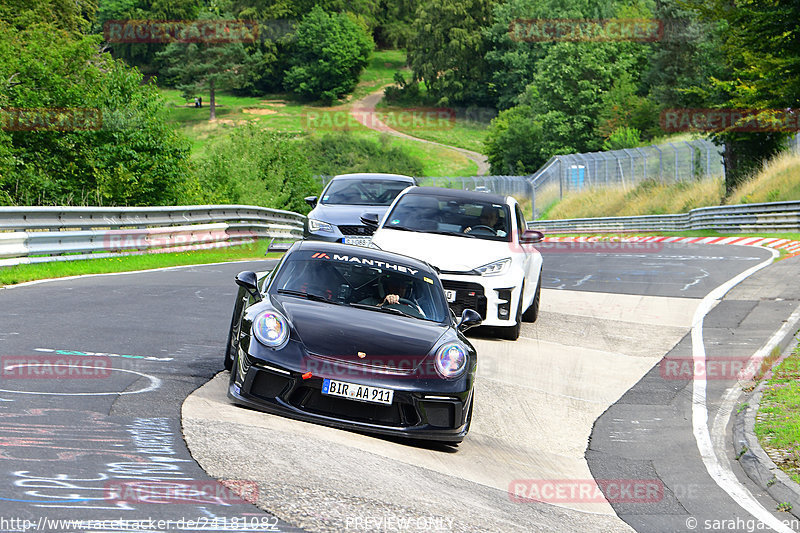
<point x="43" y="234"/>
<point x="775" y="216"/>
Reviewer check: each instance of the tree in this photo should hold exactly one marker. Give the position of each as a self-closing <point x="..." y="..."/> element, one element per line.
<point x="622" y="137"/>
<point x="567" y="90"/>
<point x="125" y="153"/>
<point x="514" y="142"/>
<point x="447" y="47"/>
<point x="762" y="60"/>
<point x="511" y="60"/>
<point x="143" y="55"/>
<point x="197" y="65"/>
<point x="75" y="16"/>
<point x="328" y="53"/>
<point x="256" y="167"/>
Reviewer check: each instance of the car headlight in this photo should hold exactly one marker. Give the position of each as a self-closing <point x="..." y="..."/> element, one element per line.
<point x="450" y="360"/>
<point x="271" y="329"/>
<point x="318" y="225"/>
<point x="497" y="267"/>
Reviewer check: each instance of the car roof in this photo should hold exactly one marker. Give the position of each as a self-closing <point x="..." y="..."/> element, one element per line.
<point x="371" y="175"/>
<point x="458" y="193"/>
<point x="363" y="252"/>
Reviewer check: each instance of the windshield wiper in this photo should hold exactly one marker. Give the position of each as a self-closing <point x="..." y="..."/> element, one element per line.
<point x="392" y="310"/>
<point x="452" y="233"/>
<point x="306" y="295"/>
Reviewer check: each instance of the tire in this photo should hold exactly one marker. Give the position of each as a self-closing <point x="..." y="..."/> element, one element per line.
<point x="532" y="312"/>
<point x="511" y="333"/>
<point x="228" y="351"/>
<point x="229" y="347"/>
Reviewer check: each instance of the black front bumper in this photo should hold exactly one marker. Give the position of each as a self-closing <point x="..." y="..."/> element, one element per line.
<point x="412" y="413"/>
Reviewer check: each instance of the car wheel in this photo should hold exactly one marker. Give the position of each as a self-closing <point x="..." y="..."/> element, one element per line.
<point x="511" y="333"/>
<point x="229" y="347"/>
<point x="532" y="313"/>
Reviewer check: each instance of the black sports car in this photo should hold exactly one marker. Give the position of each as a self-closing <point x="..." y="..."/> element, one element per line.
<point x="354" y="338"/>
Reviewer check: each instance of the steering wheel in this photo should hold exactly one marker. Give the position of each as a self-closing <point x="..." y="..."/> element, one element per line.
<point x="412" y="305"/>
<point x="481" y="226"/>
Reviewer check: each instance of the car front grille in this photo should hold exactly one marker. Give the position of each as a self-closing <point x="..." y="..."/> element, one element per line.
<point x="357" y="230"/>
<point x="313" y="401"/>
<point x="468" y="296"/>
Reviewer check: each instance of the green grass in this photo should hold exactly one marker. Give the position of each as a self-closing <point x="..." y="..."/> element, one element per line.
<point x="778" y="180"/>
<point x="778" y="420"/>
<point x="380" y="72"/>
<point x="279" y="113"/>
<point x="22" y="273"/>
<point x="467" y="134"/>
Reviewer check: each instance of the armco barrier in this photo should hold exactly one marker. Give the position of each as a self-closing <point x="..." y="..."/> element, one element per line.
<point x="43" y="234"/>
<point x="770" y="217"/>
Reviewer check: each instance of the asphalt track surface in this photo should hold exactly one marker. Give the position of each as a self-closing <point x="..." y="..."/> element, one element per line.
<point x="86" y="446"/>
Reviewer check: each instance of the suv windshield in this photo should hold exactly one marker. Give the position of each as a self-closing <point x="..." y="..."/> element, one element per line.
<point x="451" y="216"/>
<point x="362" y="192"/>
<point x="361" y="282"/>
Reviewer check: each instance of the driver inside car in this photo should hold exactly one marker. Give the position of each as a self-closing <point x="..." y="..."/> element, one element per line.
<point x="396" y="290"/>
<point x="490" y="219"/>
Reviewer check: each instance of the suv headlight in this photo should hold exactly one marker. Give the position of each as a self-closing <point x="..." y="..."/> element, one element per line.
<point x="450" y="360"/>
<point x="318" y="225"/>
<point x="271" y="329"/>
<point x="497" y="267"/>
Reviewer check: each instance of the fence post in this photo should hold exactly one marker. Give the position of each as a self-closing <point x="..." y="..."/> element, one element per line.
<point x="644" y="163"/>
<point x="676" y="161"/>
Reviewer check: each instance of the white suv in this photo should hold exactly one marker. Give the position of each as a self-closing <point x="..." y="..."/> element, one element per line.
<point x="480" y="244"/>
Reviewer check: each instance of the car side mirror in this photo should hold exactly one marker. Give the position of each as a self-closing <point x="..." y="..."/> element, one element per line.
<point x="469" y="318"/>
<point x="531" y="236"/>
<point x="249" y="281"/>
<point x="370" y="219"/>
<point x="311" y="200"/>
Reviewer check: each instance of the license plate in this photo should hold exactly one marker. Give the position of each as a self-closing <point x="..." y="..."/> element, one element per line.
<point x="358" y="241"/>
<point x="450" y="295"/>
<point x="353" y="391"/>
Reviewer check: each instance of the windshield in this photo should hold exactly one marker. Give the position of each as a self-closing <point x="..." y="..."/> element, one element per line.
<point x="361" y="282"/>
<point x="451" y="216"/>
<point x="362" y="192"/>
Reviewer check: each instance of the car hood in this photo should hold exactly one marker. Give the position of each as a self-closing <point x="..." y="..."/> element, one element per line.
<point x="345" y="214"/>
<point x="341" y="332"/>
<point x="442" y="251"/>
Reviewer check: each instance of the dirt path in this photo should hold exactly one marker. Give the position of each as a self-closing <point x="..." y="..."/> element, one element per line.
<point x="364" y="112"/>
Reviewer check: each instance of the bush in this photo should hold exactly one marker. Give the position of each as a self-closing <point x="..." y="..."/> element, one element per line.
<point x="256" y="167"/>
<point x="132" y="158"/>
<point x="342" y="153"/>
<point x="623" y="137"/>
<point x="327" y="56"/>
<point x="513" y="143"/>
